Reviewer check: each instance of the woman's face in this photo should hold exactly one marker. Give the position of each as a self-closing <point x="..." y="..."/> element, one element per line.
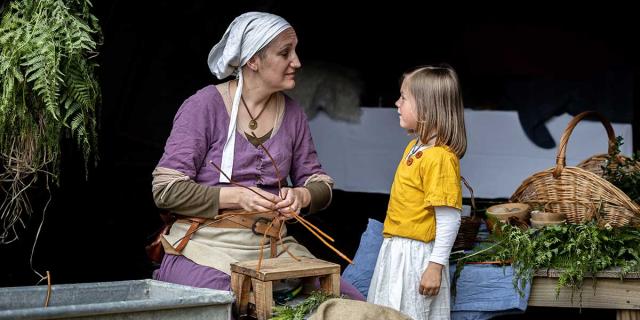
<point x="407" y="107"/>
<point x="279" y="63"/>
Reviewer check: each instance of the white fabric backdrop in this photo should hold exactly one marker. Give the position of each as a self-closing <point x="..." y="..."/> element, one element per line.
<point x="362" y="157"/>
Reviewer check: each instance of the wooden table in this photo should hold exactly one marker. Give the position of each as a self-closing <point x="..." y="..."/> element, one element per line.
<point x="610" y="293"/>
<point x="256" y="287"/>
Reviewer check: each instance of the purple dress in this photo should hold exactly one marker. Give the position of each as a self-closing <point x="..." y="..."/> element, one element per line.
<point x="200" y="129"/>
<point x="197" y="137"/>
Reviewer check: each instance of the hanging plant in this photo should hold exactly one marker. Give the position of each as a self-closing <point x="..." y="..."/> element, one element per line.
<point x="48" y="91"/>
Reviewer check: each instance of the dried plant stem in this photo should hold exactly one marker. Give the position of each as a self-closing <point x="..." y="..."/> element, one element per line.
<point x="17" y="179"/>
<point x="46" y="301"/>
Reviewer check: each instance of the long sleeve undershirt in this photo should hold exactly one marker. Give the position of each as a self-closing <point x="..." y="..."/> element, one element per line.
<point x="447" y="224"/>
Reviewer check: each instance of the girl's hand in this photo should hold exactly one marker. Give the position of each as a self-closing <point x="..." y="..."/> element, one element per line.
<point x="250" y="201"/>
<point x="294" y="200"/>
<point x="431" y="278"/>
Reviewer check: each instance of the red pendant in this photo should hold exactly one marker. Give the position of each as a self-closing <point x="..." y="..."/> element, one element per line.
<point x="409" y="161"/>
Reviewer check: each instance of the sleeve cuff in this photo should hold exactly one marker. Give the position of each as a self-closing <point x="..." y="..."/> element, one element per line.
<point x="320" y="196"/>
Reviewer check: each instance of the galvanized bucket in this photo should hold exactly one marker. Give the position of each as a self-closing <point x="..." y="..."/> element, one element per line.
<point x="134" y="299"/>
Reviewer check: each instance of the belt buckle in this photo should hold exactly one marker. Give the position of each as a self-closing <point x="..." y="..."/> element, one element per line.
<point x="255" y="224"/>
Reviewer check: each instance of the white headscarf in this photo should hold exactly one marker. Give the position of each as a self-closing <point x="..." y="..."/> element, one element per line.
<point x="246" y="35"/>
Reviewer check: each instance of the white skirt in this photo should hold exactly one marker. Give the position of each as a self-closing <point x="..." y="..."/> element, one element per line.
<point x="396" y="280"/>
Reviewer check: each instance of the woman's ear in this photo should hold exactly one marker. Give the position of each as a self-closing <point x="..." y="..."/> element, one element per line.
<point x="253" y="63"/>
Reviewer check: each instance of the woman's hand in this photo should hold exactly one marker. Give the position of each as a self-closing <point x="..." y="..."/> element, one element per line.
<point x="431" y="278"/>
<point x="236" y="197"/>
<point x="294" y="200"/>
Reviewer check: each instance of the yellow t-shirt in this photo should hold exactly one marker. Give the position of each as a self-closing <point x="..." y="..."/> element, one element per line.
<point x="430" y="181"/>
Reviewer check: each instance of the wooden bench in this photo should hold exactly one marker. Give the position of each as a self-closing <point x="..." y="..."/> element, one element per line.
<point x="252" y="287"/>
<point x="610" y="293"/>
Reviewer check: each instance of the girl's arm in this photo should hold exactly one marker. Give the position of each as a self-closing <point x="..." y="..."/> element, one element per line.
<point x="447" y="224"/>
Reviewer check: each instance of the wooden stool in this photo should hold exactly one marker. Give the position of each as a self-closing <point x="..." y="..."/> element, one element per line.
<point x="256" y="287"/>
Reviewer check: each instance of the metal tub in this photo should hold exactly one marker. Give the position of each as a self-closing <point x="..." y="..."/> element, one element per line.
<point x="134" y="299"/>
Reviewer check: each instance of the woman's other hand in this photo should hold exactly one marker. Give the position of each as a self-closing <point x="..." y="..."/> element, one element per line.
<point x="294" y="200"/>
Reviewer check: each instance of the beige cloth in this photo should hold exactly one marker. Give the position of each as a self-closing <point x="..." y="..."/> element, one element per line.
<point x="219" y="247"/>
<point x="338" y="309"/>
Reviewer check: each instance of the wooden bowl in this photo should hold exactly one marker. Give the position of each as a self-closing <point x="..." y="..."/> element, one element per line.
<point x="547" y="216"/>
<point x="540" y="223"/>
<point x="503" y="211"/>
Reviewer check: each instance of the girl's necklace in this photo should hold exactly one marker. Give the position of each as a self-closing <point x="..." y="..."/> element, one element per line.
<point x="415" y="150"/>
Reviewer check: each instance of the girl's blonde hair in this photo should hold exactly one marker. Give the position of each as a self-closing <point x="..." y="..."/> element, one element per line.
<point x="439" y="106"/>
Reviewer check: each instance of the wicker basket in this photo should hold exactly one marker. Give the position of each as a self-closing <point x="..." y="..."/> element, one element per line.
<point x="469" y="226"/>
<point x="579" y="192"/>
<point x="574" y="211"/>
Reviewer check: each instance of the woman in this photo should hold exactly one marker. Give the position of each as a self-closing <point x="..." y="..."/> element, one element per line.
<point x="226" y="135"/>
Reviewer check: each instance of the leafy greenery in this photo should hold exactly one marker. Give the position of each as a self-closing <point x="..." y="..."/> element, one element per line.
<point x="579" y="250"/>
<point x="306" y="307"/>
<point x="48" y="91"/>
<point x="624" y="173"/>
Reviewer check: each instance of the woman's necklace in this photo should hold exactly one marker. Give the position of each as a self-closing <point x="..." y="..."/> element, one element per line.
<point x="253" y="124"/>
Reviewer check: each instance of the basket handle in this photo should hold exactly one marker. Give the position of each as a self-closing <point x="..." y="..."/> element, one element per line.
<point x="473" y="199"/>
<point x="562" y="148"/>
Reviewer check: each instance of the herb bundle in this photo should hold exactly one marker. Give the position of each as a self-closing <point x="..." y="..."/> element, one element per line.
<point x="303" y="309"/>
<point x="579" y="250"/>
<point x="623" y="172"/>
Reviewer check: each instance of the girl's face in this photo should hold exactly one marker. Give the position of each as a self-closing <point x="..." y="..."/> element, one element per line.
<point x="407" y="107"/>
<point x="278" y="65"/>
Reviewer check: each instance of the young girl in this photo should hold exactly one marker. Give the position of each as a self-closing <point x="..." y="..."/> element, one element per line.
<point x="423" y="216"/>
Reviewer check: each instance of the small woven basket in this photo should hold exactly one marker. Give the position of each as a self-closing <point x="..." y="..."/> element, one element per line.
<point x="579" y="192"/>
<point x="469" y="226"/>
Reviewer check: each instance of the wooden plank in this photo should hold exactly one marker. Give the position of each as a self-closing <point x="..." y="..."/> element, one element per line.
<point x="609" y="294"/>
<point x="241" y="287"/>
<point x="613" y="273"/>
<point x="330" y="284"/>
<point x="263" y="292"/>
<point x="285" y="268"/>
<point x="236" y="288"/>
<point x="308" y="285"/>
<point x="628" y="315"/>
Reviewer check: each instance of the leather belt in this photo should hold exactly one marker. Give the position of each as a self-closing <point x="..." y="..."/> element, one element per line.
<point x="258" y="223"/>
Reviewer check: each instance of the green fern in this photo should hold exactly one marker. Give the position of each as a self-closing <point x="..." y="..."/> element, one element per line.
<point x="578" y="250"/>
<point x="48" y="90"/>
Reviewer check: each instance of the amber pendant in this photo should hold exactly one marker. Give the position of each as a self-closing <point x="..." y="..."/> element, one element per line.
<point x="253" y="124"/>
<point x="409" y="161"/>
<point x="419" y="154"/>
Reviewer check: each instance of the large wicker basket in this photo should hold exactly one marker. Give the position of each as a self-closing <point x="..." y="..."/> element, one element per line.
<point x="579" y="192"/>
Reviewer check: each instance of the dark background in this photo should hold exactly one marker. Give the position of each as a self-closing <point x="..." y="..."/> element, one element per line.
<point x="154" y="56"/>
